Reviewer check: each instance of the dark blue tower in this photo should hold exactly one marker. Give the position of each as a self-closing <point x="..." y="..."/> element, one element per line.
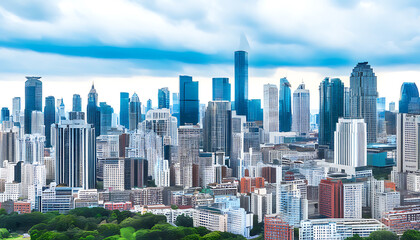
<point x="124" y="105"/>
<point x="188" y="100"/>
<point x="106" y="117"/>
<point x="221" y="89"/>
<point x="33" y="100"/>
<point x="331" y="108"/>
<point x="49" y="118"/>
<point x="255" y="112"/>
<point x="285" y="106"/>
<point x="241" y="82"/>
<point x="93" y="111"/>
<point x="77" y="103"/>
<point x="5" y="114"/>
<point x="409" y="98"/>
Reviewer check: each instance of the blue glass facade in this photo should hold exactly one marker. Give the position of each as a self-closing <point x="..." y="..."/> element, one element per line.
<point x="409" y="96"/>
<point x="49" y="118"/>
<point x="285" y="106"/>
<point x="5" y="114"/>
<point x="106" y="117"/>
<point x="124" y="105"/>
<point x="188" y="100"/>
<point x="255" y="112"/>
<point x="241" y="82"/>
<point x="134" y="112"/>
<point x="221" y="89"/>
<point x="163" y="98"/>
<point x="77" y="103"/>
<point x="331" y="108"/>
<point x="33" y="100"/>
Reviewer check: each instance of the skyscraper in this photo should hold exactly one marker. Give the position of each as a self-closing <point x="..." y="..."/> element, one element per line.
<point x="149" y="105"/>
<point x="363" y="96"/>
<point x="409" y="99"/>
<point x="77" y="103"/>
<point x="134" y="112"/>
<point x="350" y="144"/>
<point x="33" y="100"/>
<point x="331" y="108"/>
<point x="255" y="112"/>
<point x="106" y="117"/>
<point x="124" y="109"/>
<point x="188" y="152"/>
<point x="241" y="82"/>
<point x="16" y="109"/>
<point x="331" y="198"/>
<point x="218" y="127"/>
<point x="61" y="110"/>
<point x="93" y="111"/>
<point x="285" y="106"/>
<point x="380" y="109"/>
<point x="163" y="98"/>
<point x="221" y="89"/>
<point x="408" y="139"/>
<point x="75" y="154"/>
<point x="301" y="111"/>
<point x="347" y="107"/>
<point x="37" y="122"/>
<point x="175" y="106"/>
<point x="49" y="118"/>
<point x="188" y="100"/>
<point x="271" y="108"/>
<point x="5" y="114"/>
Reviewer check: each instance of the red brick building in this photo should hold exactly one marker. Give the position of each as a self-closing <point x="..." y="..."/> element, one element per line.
<point x="248" y="184"/>
<point x="118" y="206"/>
<point x="402" y="220"/>
<point x="277" y="229"/>
<point x="22" y="207"/>
<point x="331" y="198"/>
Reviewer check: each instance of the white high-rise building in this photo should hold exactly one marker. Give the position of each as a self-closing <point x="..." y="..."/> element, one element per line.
<point x="114" y="176"/>
<point x="107" y="146"/>
<point x="188" y="152"/>
<point x="301" y="111"/>
<point x="293" y="204"/>
<point x="33" y="149"/>
<point x="163" y="124"/>
<point x="271" y="108"/>
<point x="352" y="200"/>
<point x="37" y="123"/>
<point x="350" y="143"/>
<point x="261" y="203"/>
<point x="413" y="181"/>
<point x="384" y="202"/>
<point x="408" y="127"/>
<point x="16" y="109"/>
<point x="162" y="173"/>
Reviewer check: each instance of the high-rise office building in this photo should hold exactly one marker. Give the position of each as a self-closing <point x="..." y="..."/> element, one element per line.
<point x="37" y="122"/>
<point x="221" y="89"/>
<point x="271" y="108"/>
<point x="188" y="152"/>
<point x="255" y="112"/>
<point x="301" y="111"/>
<point x="409" y="99"/>
<point x="16" y="108"/>
<point x="8" y="142"/>
<point x="331" y="198"/>
<point x="352" y="200"/>
<point x="33" y="100"/>
<point x="161" y="122"/>
<point x="134" y="112"/>
<point x="175" y="106"/>
<point x="408" y="139"/>
<point x="363" y="96"/>
<point x="188" y="100"/>
<point x="5" y="114"/>
<point x="163" y="98"/>
<point x="241" y="82"/>
<point x="149" y="105"/>
<point x="124" y="109"/>
<point x="347" y="110"/>
<point x="77" y="103"/>
<point x="350" y="143"/>
<point x="285" y="106"/>
<point x="94" y="111"/>
<point x="75" y="154"/>
<point x="49" y="118"/>
<point x="106" y="117"/>
<point x="392" y="106"/>
<point x="218" y="127"/>
<point x="380" y="109"/>
<point x="331" y="108"/>
<point x="275" y="228"/>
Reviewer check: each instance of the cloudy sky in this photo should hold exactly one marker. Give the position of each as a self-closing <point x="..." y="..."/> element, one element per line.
<point x="140" y="46"/>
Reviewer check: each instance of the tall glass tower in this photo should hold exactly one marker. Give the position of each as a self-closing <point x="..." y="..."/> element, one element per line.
<point x="5" y="114"/>
<point x="188" y="100"/>
<point x="77" y="103"/>
<point x="409" y="98"/>
<point x="134" y="112"/>
<point x="363" y="94"/>
<point x="285" y="106"/>
<point x="255" y="112"/>
<point x="106" y="117"/>
<point x="124" y="105"/>
<point x="49" y="118"/>
<point x="163" y="98"/>
<point x="93" y="111"/>
<point x="331" y="108"/>
<point x="301" y="111"/>
<point x="221" y="89"/>
<point x="33" y="100"/>
<point x="241" y="82"/>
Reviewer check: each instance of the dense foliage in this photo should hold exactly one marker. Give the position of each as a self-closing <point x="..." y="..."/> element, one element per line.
<point x="387" y="235"/>
<point x="99" y="223"/>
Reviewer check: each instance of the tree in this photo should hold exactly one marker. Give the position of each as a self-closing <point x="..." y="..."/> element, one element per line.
<point x="174" y="207"/>
<point x="383" y="235"/>
<point x="4" y="233"/>
<point x="411" y="235"/>
<point x="184" y="221"/>
<point x="355" y="237"/>
<point x="109" y="229"/>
